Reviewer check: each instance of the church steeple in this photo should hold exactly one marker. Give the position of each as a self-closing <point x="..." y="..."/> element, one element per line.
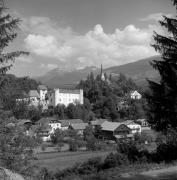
<point x="102" y="74"/>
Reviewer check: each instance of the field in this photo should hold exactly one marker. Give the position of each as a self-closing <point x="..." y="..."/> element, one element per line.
<point x="62" y="160"/>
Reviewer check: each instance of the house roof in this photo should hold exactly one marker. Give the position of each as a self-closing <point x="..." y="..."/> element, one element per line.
<point x="67" y="122"/>
<point x="33" y="93"/>
<point x="79" y="126"/>
<point x="110" y="126"/>
<point x="98" y="122"/>
<point x="135" y="92"/>
<point x="127" y="122"/>
<point x="42" y="87"/>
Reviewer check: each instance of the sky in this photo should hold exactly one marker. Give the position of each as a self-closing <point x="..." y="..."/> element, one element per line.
<point x="74" y="34"/>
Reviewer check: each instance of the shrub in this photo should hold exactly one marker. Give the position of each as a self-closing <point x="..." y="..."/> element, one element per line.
<point x="91" y="143"/>
<point x="73" y="146"/>
<point x="43" y="147"/>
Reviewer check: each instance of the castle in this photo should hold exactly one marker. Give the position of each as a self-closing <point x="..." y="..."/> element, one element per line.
<point x="45" y="98"/>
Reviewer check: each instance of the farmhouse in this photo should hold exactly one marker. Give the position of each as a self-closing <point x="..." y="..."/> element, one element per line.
<point x="115" y="130"/>
<point x="79" y="127"/>
<point x="68" y="122"/>
<point x="135" y="127"/>
<point x="97" y="123"/>
<point x="65" y="96"/>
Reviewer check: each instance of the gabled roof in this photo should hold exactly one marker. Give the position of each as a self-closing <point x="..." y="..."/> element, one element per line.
<point x="134" y="92"/>
<point x="127" y="122"/>
<point x="110" y="126"/>
<point x="33" y="93"/>
<point x="67" y="122"/>
<point x="98" y="122"/>
<point x="42" y="87"/>
<point x="79" y="126"/>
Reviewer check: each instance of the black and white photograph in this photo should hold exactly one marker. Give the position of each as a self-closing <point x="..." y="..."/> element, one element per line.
<point x="88" y="89"/>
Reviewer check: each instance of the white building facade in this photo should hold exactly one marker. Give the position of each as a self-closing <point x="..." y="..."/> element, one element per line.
<point x="65" y="97"/>
<point x="135" y="95"/>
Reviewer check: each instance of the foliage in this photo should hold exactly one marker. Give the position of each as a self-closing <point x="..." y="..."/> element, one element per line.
<point x="23" y="111"/>
<point x="162" y="99"/>
<point x="167" y="148"/>
<point x="91" y="166"/>
<point x="75" y="111"/>
<point x="143" y="137"/>
<point x="57" y="138"/>
<point x="114" y="160"/>
<point x="16" y="148"/>
<point x="105" y="97"/>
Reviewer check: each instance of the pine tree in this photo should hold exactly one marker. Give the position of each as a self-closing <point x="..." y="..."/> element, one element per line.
<point x="162" y="99"/>
<point x="8" y="28"/>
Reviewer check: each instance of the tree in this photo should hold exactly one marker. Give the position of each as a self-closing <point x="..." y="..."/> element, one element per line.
<point x="15" y="146"/>
<point x="162" y="99"/>
<point x="58" y="138"/>
<point x="8" y="27"/>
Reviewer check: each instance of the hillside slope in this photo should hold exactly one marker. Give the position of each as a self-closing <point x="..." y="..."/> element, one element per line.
<point x="139" y="71"/>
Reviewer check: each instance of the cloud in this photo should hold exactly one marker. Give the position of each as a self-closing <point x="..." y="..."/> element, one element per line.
<point x="155" y="17"/>
<point x="25" y="59"/>
<point x="48" y="66"/>
<point x="46" y="38"/>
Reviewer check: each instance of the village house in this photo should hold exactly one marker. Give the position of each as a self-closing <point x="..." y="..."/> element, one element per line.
<point x="65" y="96"/>
<point x="47" y="126"/>
<point x="42" y="89"/>
<point x="115" y="130"/>
<point x="135" y="95"/>
<point x="65" y="123"/>
<point x="135" y="127"/>
<point x="79" y="127"/>
<point x="97" y="123"/>
<point x="144" y="124"/>
<point x="33" y="98"/>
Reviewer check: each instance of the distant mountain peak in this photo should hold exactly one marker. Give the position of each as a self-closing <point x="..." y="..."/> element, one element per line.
<point x="138" y="71"/>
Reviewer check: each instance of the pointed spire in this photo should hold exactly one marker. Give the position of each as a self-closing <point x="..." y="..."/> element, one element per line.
<point x="102" y="74"/>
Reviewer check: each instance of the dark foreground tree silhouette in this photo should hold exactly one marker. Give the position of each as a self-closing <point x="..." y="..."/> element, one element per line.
<point x="8" y="32"/>
<point x="162" y="99"/>
<point x="15" y="146"/>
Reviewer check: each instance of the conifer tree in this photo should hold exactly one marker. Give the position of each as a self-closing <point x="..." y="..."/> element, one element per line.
<point x="162" y="99"/>
<point x="8" y="32"/>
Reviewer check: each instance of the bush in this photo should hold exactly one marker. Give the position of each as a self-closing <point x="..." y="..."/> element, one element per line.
<point x="114" y="160"/>
<point x="91" y="143"/>
<point x="93" y="165"/>
<point x="43" y="147"/>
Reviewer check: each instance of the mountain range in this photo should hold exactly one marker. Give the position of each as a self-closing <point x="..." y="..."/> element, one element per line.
<point x="139" y="71"/>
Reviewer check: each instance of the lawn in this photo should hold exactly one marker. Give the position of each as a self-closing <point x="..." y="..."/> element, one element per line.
<point x="62" y="160"/>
